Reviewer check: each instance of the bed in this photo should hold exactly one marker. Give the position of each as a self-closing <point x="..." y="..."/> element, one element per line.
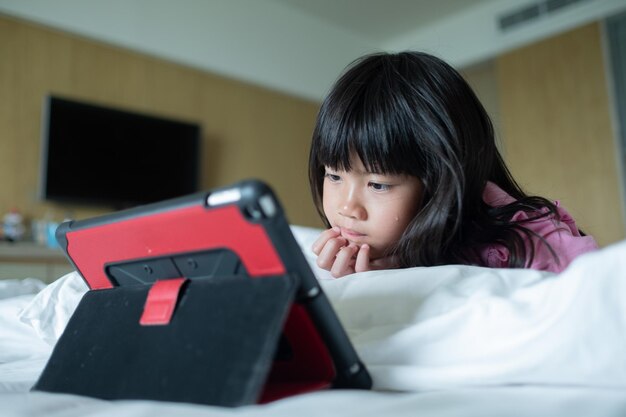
<point x="440" y="341"/>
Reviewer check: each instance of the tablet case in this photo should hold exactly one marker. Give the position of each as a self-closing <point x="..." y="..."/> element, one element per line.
<point x="205" y="299"/>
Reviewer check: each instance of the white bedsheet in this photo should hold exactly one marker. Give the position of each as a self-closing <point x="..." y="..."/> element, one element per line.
<point x="22" y="353"/>
<point x="452" y="340"/>
<point x="458" y="326"/>
<point x="524" y="401"/>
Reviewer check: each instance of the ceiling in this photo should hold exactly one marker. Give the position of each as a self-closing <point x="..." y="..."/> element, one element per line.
<point x="299" y="47"/>
<point x="381" y="20"/>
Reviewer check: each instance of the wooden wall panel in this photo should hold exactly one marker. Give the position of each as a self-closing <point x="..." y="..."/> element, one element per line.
<point x="557" y="131"/>
<point x="248" y="131"/>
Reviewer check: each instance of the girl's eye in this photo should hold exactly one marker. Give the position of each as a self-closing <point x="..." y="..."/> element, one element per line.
<point x="333" y="177"/>
<point x="379" y="187"/>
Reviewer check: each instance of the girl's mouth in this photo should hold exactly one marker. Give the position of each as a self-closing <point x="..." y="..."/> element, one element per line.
<point x="351" y="234"/>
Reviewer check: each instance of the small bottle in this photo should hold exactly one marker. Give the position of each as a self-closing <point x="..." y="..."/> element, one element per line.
<point x="13" y="225"/>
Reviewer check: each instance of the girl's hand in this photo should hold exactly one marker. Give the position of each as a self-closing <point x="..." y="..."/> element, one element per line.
<point x="340" y="257"/>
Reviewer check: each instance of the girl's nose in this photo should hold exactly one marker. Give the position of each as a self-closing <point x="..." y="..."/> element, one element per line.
<point x="353" y="209"/>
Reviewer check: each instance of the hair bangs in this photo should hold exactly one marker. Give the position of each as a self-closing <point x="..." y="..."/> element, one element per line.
<point x="367" y="126"/>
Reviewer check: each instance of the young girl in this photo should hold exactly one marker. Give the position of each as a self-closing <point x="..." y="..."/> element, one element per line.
<point x="405" y="172"/>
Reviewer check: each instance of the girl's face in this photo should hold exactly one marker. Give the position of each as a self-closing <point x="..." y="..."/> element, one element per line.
<point x="370" y="208"/>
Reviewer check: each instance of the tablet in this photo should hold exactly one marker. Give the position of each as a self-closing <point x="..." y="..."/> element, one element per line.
<point x="235" y="232"/>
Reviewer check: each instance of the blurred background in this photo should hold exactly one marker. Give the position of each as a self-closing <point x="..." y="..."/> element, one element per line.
<point x="252" y="73"/>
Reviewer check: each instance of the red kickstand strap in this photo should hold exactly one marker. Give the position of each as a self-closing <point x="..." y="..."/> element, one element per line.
<point x="161" y="302"/>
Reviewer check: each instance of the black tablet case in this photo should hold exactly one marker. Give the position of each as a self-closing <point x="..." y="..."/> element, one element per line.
<point x="245" y="323"/>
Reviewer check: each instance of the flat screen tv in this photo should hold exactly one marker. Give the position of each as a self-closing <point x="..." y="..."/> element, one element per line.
<point x="116" y="158"/>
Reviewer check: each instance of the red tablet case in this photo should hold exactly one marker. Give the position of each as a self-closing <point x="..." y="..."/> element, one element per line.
<point x="229" y="236"/>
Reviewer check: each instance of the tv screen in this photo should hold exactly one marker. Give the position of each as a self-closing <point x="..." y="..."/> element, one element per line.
<point x="111" y="157"/>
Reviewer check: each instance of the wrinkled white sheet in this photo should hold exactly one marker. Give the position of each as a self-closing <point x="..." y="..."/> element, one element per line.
<point x="484" y="402"/>
<point x="22" y="353"/>
<point x="455" y="326"/>
<point x="457" y="340"/>
<point x="459" y="326"/>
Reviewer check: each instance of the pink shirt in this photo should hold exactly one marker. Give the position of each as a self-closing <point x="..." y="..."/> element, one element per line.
<point x="563" y="236"/>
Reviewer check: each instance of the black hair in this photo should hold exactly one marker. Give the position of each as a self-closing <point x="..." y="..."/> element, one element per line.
<point x="411" y="113"/>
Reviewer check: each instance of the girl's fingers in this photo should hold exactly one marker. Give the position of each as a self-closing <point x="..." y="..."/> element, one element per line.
<point x="335" y="255"/>
<point x="344" y="261"/>
<point x="362" y="263"/>
<point x="327" y="254"/>
<point x="323" y="238"/>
